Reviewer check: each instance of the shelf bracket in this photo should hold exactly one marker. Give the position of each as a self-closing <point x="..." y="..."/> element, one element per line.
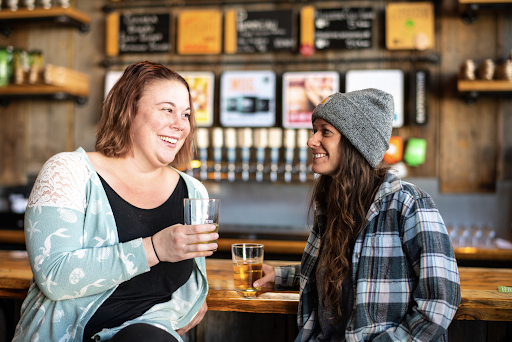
<point x="470" y="12"/>
<point x="5" y="100"/>
<point x="6" y="25"/>
<point x="470" y="97"/>
<point x="469" y="16"/>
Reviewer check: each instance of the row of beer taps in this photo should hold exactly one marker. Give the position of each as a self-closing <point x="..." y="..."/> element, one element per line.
<point x="231" y="148"/>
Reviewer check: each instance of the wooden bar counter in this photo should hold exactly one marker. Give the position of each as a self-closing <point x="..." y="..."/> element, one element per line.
<point x="479" y="289"/>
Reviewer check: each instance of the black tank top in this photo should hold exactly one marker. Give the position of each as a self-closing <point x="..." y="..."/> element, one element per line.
<point x="134" y="297"/>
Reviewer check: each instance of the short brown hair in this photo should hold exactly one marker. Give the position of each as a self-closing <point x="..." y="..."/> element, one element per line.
<point x="120" y="107"/>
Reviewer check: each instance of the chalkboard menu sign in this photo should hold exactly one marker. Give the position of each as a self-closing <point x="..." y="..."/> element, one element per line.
<point x="144" y="33"/>
<point x="264" y="31"/>
<point x="344" y="28"/>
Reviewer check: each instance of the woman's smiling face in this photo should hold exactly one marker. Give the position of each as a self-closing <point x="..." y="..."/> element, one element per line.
<point x="325" y="145"/>
<point x="161" y="124"/>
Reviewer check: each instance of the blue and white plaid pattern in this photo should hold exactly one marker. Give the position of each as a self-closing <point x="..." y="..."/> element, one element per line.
<point x="406" y="281"/>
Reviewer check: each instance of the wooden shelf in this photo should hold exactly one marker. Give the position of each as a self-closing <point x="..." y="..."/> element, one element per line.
<point x="43" y="91"/>
<point x="480" y="299"/>
<point x="484" y="86"/>
<point x="485" y="1"/>
<point x="59" y="15"/>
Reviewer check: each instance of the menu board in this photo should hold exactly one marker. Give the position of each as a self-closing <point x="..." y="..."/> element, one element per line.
<point x="259" y="31"/>
<point x="143" y="33"/>
<point x="302" y="92"/>
<point x="391" y="81"/>
<point x="247" y="98"/>
<point x="344" y="28"/>
<point x="199" y="32"/>
<point x="201" y="86"/>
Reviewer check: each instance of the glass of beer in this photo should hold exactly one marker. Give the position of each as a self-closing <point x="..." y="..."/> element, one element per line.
<point x="202" y="211"/>
<point x="247" y="267"/>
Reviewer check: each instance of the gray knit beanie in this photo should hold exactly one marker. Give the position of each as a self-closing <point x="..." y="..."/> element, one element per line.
<point x="364" y="117"/>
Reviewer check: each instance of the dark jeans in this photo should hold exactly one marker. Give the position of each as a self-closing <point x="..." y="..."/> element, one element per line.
<point x="142" y="332"/>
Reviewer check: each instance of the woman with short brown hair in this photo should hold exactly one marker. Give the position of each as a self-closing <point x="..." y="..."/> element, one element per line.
<point x="110" y="256"/>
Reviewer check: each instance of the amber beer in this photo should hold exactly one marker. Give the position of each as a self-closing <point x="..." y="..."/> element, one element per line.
<point x="246" y="274"/>
<point x="247" y="267"/>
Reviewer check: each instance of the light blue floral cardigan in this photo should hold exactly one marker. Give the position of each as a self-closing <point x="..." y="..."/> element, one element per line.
<point x="78" y="262"/>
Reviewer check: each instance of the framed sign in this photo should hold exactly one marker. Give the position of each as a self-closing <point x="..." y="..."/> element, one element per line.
<point x="391" y="81"/>
<point x="344" y="28"/>
<point x="410" y="26"/>
<point x="199" y="32"/>
<point x="302" y="92"/>
<point x="247" y="98"/>
<point x="201" y="86"/>
<point x="137" y="33"/>
<point x="261" y="31"/>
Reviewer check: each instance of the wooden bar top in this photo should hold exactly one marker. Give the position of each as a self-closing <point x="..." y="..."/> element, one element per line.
<point x="479" y="289"/>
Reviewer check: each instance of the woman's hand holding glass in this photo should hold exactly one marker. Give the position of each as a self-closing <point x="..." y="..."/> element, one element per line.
<point x="181" y="242"/>
<point x="268" y="279"/>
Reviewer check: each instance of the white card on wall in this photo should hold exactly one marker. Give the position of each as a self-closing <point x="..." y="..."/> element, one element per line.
<point x="247" y="98"/>
<point x="390" y="81"/>
<point x="111" y="77"/>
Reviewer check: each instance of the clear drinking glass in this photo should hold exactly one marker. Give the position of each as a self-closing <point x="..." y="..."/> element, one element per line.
<point x="247" y="267"/>
<point x="202" y="211"/>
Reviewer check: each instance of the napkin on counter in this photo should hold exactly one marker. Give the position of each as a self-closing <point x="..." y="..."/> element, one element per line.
<point x="503" y="244"/>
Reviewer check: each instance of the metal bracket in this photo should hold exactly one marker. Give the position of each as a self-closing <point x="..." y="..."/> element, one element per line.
<point x="6" y="25"/>
<point x="470" y="12"/>
<point x="5" y="100"/>
<point x="470" y="97"/>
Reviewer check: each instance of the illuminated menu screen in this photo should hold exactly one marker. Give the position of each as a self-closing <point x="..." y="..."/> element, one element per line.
<point x="247" y="98"/>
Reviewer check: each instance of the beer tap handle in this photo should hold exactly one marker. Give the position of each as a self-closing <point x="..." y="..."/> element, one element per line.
<point x="202" y="142"/>
<point x="275" y="142"/>
<point x="289" y="144"/>
<point x="217" y="142"/>
<point x="245" y="143"/>
<point x="260" y="142"/>
<point x="230" y="142"/>
<point x="302" y="144"/>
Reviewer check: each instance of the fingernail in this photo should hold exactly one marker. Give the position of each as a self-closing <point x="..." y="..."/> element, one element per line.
<point x="256" y="284"/>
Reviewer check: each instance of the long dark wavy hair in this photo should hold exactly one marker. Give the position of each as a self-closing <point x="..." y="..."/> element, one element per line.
<point x="346" y="198"/>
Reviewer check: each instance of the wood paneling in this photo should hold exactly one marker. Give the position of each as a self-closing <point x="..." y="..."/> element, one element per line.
<point x="13" y="125"/>
<point x="468" y="147"/>
<point x="468" y="133"/>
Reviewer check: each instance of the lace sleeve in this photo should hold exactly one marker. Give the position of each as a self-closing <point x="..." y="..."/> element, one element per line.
<point x="61" y="183"/>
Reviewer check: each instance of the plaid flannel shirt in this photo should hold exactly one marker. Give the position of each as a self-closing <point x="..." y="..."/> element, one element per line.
<point x="406" y="281"/>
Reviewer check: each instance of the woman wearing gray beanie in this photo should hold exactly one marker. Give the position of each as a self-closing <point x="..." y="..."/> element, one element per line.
<point x="378" y="264"/>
